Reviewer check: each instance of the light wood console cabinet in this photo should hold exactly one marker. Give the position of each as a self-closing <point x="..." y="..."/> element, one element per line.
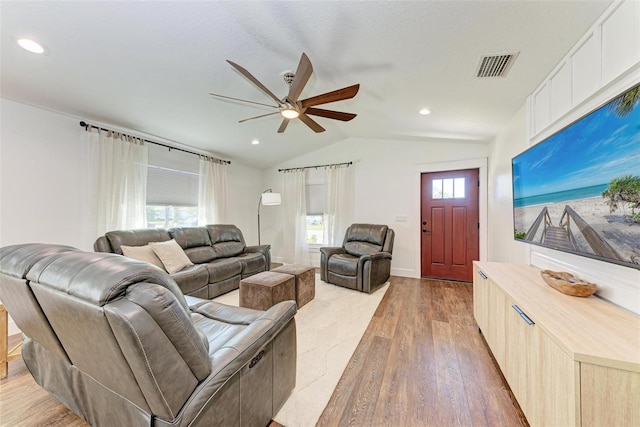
<point x="569" y="361"/>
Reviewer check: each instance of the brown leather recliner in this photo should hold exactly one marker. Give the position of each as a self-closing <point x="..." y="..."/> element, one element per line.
<point x="363" y="262"/>
<point x="115" y="340"/>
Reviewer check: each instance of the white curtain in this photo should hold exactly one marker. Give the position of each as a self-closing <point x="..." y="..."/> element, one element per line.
<point x="120" y="180"/>
<point x="339" y="204"/>
<point x="295" y="210"/>
<point x="212" y="191"/>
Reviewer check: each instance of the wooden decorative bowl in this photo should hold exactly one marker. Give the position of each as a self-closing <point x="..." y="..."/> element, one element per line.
<point x="568" y="284"/>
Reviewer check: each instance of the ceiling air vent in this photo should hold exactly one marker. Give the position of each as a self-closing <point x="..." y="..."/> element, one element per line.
<point x="497" y="65"/>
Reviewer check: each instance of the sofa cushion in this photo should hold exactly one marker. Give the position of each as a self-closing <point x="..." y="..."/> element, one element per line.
<point x="142" y="253"/>
<point x="171" y="255"/>
<point x="196" y="243"/>
<point x="227" y="240"/>
<point x="344" y="264"/>
<point x="223" y="268"/>
<point x="139" y="237"/>
<point x="193" y="279"/>
<point x="252" y="263"/>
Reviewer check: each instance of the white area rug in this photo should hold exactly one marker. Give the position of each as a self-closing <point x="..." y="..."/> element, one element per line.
<point x="329" y="328"/>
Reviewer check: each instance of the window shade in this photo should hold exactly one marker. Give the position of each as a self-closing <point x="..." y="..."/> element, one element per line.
<point x="172" y="177"/>
<point x="315" y="199"/>
<point x="315" y="191"/>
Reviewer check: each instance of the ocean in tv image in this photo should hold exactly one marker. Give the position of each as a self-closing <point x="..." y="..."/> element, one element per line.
<point x="579" y="190"/>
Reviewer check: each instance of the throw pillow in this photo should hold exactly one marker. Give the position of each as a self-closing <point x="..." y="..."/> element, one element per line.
<point x="142" y="253"/>
<point x="171" y="255"/>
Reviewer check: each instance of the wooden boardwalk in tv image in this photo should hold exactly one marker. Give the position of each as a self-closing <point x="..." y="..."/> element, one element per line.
<point x="564" y="236"/>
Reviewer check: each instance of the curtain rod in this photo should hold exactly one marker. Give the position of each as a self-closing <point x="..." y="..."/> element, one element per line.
<point x="315" y="167"/>
<point x="86" y="125"/>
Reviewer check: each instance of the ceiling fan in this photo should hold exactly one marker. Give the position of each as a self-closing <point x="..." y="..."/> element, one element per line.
<point x="290" y="107"/>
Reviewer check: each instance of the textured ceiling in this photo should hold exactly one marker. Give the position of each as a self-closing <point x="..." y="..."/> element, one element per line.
<point x="149" y="66"/>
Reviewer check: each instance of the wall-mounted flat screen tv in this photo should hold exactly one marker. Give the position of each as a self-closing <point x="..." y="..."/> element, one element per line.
<point x="578" y="191"/>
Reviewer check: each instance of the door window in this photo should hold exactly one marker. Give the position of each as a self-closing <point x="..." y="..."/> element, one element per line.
<point x="448" y="188"/>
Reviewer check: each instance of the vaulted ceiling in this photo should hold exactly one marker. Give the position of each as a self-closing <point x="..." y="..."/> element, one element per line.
<point x="150" y="66"/>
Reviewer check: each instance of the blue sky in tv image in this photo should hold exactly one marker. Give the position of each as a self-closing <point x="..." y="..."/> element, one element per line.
<point x="580" y="160"/>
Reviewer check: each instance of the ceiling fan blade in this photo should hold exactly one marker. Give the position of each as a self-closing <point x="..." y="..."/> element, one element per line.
<point x="255" y="81"/>
<point x="301" y="77"/>
<point x="258" y="117"/>
<point x="311" y="123"/>
<point x="330" y="114"/>
<point x="283" y="125"/>
<point x="336" y="95"/>
<point x="241" y="100"/>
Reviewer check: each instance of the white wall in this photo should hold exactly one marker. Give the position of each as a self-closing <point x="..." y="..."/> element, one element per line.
<point x="245" y="187"/>
<point x="384" y="186"/>
<point x="43" y="185"/>
<point x="510" y="141"/>
<point x="44" y="192"/>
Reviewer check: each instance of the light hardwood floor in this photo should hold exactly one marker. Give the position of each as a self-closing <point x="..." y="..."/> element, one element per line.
<point x="421" y="362"/>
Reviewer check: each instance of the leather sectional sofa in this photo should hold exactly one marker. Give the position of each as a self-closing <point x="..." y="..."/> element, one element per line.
<point x="116" y="341"/>
<point x="219" y="254"/>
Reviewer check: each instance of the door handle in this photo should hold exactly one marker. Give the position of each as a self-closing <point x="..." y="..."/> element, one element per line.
<point x="424" y="230"/>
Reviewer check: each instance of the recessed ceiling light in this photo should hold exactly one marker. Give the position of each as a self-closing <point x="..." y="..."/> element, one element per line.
<point x="255" y="142"/>
<point x="32" y="46"/>
<point x="425" y="111"/>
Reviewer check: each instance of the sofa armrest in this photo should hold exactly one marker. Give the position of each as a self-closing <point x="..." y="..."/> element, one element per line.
<point x="373" y="270"/>
<point x="223" y="313"/>
<point x="375" y="256"/>
<point x="102" y="245"/>
<point x="264" y="250"/>
<point x="325" y="254"/>
<point x="241" y="350"/>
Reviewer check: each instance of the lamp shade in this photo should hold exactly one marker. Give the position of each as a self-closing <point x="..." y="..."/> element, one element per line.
<point x="270" y="199"/>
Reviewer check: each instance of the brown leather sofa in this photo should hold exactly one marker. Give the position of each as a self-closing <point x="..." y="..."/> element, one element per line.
<point x="363" y="262"/>
<point x="115" y="341"/>
<point x="218" y="251"/>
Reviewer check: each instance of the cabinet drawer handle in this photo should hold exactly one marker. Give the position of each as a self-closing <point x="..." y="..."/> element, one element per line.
<point x="482" y="275"/>
<point x="524" y="316"/>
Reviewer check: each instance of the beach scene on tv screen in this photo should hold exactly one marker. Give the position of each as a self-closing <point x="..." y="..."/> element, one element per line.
<point x="579" y="190"/>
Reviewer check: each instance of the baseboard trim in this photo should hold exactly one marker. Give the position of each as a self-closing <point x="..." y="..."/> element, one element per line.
<point x="404" y="272"/>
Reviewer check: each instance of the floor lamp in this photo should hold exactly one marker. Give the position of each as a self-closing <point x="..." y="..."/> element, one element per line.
<point x="267" y="198"/>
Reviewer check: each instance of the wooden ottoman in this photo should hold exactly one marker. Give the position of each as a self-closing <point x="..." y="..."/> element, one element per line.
<point x="264" y="290"/>
<point x="305" y="281"/>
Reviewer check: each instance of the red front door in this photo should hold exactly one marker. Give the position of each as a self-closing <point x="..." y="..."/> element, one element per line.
<point x="449" y="224"/>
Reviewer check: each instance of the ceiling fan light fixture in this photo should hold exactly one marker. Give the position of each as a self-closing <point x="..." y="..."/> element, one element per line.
<point x="289" y="113"/>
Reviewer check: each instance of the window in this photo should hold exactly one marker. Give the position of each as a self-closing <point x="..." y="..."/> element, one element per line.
<point x="315" y="206"/>
<point x="315" y="234"/>
<point x="447" y="188"/>
<point x="167" y="216"/>
<point x="172" y="188"/>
